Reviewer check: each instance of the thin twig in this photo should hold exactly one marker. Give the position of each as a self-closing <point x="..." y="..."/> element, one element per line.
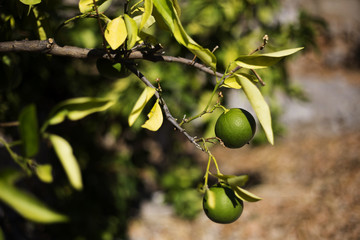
<point x="258" y="77"/>
<point x="9" y="124"/>
<point x="165" y="108"/>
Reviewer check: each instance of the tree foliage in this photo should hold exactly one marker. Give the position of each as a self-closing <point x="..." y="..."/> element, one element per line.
<point x="90" y="95"/>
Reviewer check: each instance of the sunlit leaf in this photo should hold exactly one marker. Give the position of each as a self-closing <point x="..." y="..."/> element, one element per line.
<point x="88" y="5"/>
<point x="231" y="82"/>
<point x="65" y="154"/>
<point x="155" y="118"/>
<point x="77" y="108"/>
<point x="39" y="24"/>
<point x="170" y="17"/>
<point x="150" y="21"/>
<point x="148" y="7"/>
<point x="29" y="132"/>
<point x="132" y="31"/>
<point x="27" y="205"/>
<point x="245" y="195"/>
<point x="44" y="173"/>
<point x="258" y="61"/>
<point x="30" y="2"/>
<point x="177" y="7"/>
<point x="115" y="32"/>
<point x="140" y="104"/>
<point x="259" y="105"/>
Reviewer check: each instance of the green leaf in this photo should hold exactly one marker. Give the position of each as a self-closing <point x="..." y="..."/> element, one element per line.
<point x="132" y="31"/>
<point x="170" y="17"/>
<point x="140" y="104"/>
<point x="259" y="105"/>
<point x="27" y="205"/>
<point x="44" y="173"/>
<point x="77" y="108"/>
<point x="2" y="237"/>
<point x="115" y="32"/>
<point x="30" y="2"/>
<point x="148" y="7"/>
<point x="150" y="21"/>
<point x="65" y="154"/>
<point x="233" y="180"/>
<point x="88" y="5"/>
<point x="264" y="60"/>
<point x="222" y="176"/>
<point x="231" y="82"/>
<point x="238" y="181"/>
<point x="39" y="24"/>
<point x="155" y="118"/>
<point x="245" y="195"/>
<point x="29" y="132"/>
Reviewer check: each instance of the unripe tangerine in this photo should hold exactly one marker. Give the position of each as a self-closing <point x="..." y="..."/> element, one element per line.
<point x="235" y="127"/>
<point x="221" y="205"/>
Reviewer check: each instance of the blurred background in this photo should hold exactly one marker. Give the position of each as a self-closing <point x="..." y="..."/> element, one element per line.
<point x="143" y="185"/>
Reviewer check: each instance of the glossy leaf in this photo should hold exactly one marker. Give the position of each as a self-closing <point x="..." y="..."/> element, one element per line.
<point x="132" y="31"/>
<point x="155" y="118"/>
<point x="170" y="17"/>
<point x="77" y="108"/>
<point x="27" y="205"/>
<point x="140" y="104"/>
<point x="115" y="32"/>
<point x="148" y="8"/>
<point x="30" y="2"/>
<point x="259" y="105"/>
<point x="29" y="132"/>
<point x="44" y="173"/>
<point x="88" y="5"/>
<point x="258" y="61"/>
<point x="65" y="154"/>
<point x="245" y="195"/>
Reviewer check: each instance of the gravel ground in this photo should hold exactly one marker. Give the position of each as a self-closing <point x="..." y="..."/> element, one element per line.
<point x="309" y="188"/>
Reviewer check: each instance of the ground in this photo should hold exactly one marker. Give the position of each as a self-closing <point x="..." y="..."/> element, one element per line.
<point x="309" y="188"/>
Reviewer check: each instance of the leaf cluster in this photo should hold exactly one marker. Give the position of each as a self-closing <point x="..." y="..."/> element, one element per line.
<point x="82" y="138"/>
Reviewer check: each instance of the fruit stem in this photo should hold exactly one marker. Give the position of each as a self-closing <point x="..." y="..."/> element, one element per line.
<point x="218" y="84"/>
<point x="207" y="172"/>
<point x="224" y="108"/>
<point x="216" y="165"/>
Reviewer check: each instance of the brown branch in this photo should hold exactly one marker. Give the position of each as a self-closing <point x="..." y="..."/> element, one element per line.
<point x="50" y="47"/>
<point x="9" y="124"/>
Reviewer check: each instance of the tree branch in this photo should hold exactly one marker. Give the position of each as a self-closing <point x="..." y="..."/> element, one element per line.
<point x="50" y="47"/>
<point x="168" y="115"/>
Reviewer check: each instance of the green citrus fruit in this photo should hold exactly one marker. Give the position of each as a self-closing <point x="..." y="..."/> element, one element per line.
<point x="111" y="70"/>
<point x="221" y="205"/>
<point x="235" y="127"/>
